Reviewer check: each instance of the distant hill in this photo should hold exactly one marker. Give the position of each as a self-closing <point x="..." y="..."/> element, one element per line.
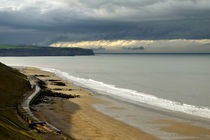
<point x="25" y="50"/>
<point x="13" y="85"/>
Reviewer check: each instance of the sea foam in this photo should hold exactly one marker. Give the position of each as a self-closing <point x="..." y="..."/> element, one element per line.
<point x="129" y="95"/>
<point x="132" y="95"/>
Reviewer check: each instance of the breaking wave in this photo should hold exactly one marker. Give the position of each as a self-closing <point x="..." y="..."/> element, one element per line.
<point x="132" y="95"/>
<point x="129" y="95"/>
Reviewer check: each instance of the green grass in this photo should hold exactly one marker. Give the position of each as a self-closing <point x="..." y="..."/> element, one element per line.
<point x="7" y="46"/>
<point x="13" y="85"/>
<point x="2" y="46"/>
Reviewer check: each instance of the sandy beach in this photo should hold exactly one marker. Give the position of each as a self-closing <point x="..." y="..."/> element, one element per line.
<point x="77" y="118"/>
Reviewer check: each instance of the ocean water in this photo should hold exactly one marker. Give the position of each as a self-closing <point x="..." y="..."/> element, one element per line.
<point x="179" y="83"/>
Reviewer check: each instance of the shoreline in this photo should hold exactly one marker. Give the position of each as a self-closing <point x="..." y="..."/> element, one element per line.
<point x="84" y="119"/>
<point x="145" y="100"/>
<point x="76" y="117"/>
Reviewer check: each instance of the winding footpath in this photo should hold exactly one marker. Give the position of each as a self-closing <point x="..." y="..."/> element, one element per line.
<point x="23" y="109"/>
<point x="26" y="103"/>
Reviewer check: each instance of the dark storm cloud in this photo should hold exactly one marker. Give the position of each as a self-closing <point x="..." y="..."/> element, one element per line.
<point x="47" y="21"/>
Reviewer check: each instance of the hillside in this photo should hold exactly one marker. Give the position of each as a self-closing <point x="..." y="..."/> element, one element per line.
<point x="12" y="86"/>
<point x="23" y="50"/>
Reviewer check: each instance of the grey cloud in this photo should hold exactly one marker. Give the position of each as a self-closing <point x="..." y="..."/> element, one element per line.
<point x="69" y="20"/>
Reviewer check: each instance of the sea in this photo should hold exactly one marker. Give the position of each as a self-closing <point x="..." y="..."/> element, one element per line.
<point x="171" y="82"/>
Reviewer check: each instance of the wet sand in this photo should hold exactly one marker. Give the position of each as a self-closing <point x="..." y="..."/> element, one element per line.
<point x="184" y="129"/>
<point x="77" y="117"/>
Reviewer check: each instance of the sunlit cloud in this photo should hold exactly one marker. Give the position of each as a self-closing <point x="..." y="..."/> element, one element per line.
<point x="103" y="43"/>
<point x="130" y="43"/>
<point x="175" y="45"/>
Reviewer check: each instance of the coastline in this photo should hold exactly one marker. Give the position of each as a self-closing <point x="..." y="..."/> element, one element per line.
<point x="76" y="117"/>
<point x="79" y="117"/>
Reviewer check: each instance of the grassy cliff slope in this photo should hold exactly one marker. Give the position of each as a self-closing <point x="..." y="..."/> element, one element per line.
<point x="13" y="85"/>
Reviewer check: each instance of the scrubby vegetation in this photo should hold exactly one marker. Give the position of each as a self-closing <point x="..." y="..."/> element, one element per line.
<point x="13" y="85"/>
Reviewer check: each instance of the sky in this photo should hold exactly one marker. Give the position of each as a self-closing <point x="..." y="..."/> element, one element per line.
<point x="142" y="46"/>
<point x="47" y="22"/>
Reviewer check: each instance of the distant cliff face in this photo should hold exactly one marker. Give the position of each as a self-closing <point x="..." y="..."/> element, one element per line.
<point x="44" y="51"/>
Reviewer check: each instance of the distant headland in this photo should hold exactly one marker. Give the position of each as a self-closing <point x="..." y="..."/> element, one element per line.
<point x="29" y="50"/>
